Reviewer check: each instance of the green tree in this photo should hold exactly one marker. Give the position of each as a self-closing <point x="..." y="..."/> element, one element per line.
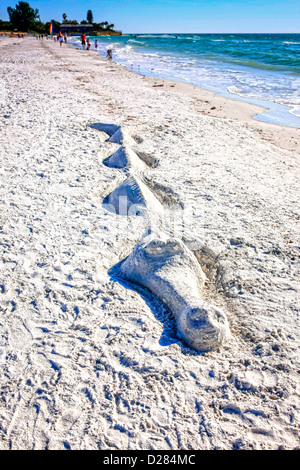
<point x="98" y="26"/>
<point x="40" y="28"/>
<point x="89" y="17"/>
<point x="23" y="17"/>
<point x="5" y="26"/>
<point x="64" y="18"/>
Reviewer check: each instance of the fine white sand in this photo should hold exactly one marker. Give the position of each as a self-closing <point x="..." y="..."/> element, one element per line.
<point x="90" y="362"/>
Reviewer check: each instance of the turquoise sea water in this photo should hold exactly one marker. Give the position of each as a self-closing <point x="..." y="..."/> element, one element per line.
<point x="259" y="68"/>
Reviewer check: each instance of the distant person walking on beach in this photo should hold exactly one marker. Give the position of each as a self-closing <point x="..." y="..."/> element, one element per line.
<point x="88" y="45"/>
<point x="60" y="39"/>
<point x="83" y="39"/>
<point x="65" y="37"/>
<point x="109" y="54"/>
<point x="96" y="44"/>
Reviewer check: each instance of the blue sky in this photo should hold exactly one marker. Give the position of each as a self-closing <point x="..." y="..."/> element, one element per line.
<point x="181" y="16"/>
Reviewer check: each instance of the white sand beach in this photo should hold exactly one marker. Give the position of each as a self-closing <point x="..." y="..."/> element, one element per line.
<point x="90" y="362"/>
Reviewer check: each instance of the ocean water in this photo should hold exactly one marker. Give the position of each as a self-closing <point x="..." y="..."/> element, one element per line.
<point x="258" y="68"/>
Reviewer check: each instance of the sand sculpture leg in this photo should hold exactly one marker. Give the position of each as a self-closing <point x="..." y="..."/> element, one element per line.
<point x="169" y="270"/>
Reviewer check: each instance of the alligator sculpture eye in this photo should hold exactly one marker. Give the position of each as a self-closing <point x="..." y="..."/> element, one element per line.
<point x="155" y="248"/>
<point x="173" y="246"/>
<point x="158" y="247"/>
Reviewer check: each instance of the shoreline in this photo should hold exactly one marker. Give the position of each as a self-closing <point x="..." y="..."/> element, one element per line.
<point x="89" y="362"/>
<point x="271" y="112"/>
<point x="267" y="111"/>
<point x="217" y="105"/>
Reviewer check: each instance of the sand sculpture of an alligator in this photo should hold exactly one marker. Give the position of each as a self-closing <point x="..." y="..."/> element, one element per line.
<point x="162" y="264"/>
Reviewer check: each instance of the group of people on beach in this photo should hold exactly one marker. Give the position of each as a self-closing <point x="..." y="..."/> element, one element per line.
<point x="63" y="38"/>
<point x="86" y="44"/>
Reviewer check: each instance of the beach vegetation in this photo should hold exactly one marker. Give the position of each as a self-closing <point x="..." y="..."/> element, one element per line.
<point x="104" y="26"/>
<point x="5" y="26"/>
<point x="26" y="19"/>
<point x="23" y="17"/>
<point x="75" y="22"/>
